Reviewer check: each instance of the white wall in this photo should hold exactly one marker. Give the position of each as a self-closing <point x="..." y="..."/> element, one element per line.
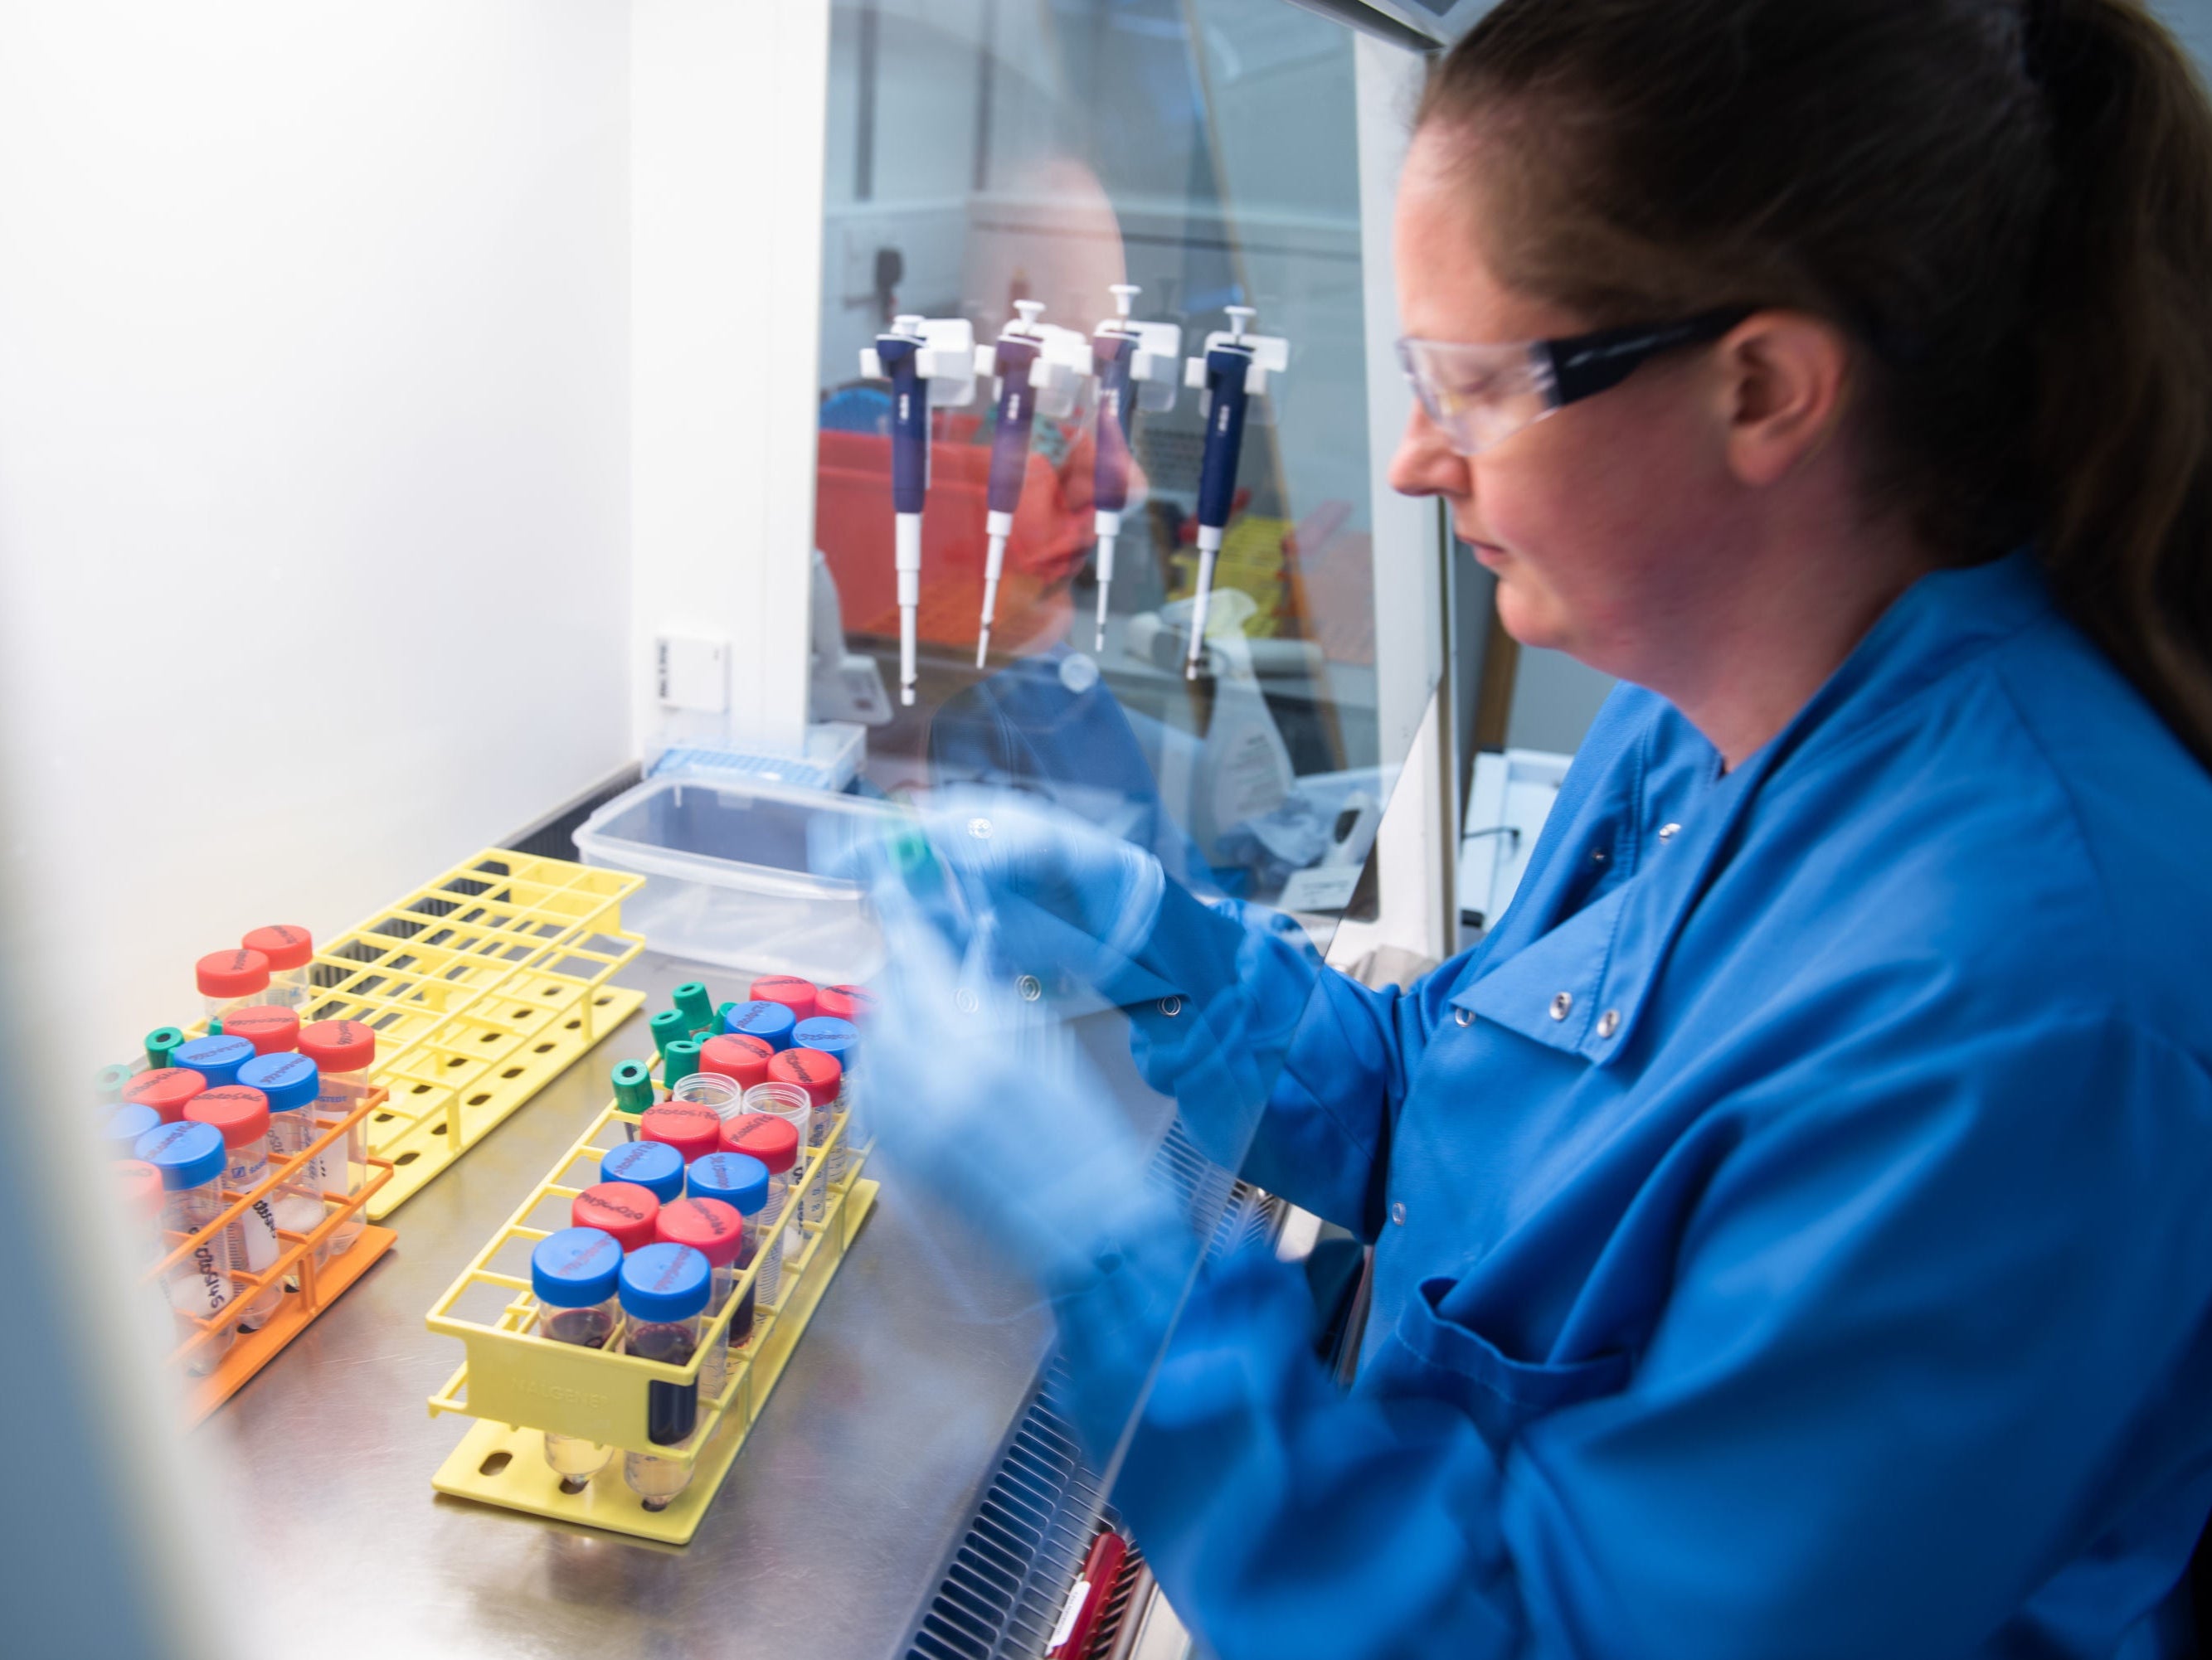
<point x="313" y="459"/>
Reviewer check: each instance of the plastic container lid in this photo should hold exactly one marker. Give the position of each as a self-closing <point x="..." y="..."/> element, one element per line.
<point x="126" y="1127"/>
<point x="653" y="1166"/>
<point x="793" y="993"/>
<point x="692" y="1129"/>
<point x="768" y="1021"/>
<point x="271" y="1030"/>
<point x="837" y="1038"/>
<point x="739" y="1058"/>
<point x="667" y="1026"/>
<point x="289" y="1081"/>
<point x="736" y="1179"/>
<point x="141" y="1185"/>
<point x="763" y="1135"/>
<point x="818" y="1074"/>
<point x="239" y="1114"/>
<point x="710" y="1228"/>
<point x="165" y="1089"/>
<point x="338" y="1045"/>
<point x="695" y="1005"/>
<point x="236" y="972"/>
<point x="187" y="1155"/>
<point x="846" y="1003"/>
<point x="665" y="1282"/>
<point x="679" y="1060"/>
<point x="576" y="1268"/>
<point x="215" y="1059"/>
<point x="161" y="1044"/>
<point x="112" y="1081"/>
<point x="286" y="947"/>
<point x="623" y="1209"/>
<point x="633" y="1086"/>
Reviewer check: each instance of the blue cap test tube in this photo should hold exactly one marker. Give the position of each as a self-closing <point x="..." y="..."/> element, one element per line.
<point x="574" y="1272"/>
<point x="192" y="1159"/>
<point x="770" y="1021"/>
<point x="653" y="1166"/>
<point x="840" y="1040"/>
<point x="665" y="1291"/>
<point x="125" y="1127"/>
<point x="292" y="1083"/>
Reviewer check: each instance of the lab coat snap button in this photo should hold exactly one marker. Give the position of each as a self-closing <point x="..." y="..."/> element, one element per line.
<point x="1463" y="1016"/>
<point x="1668" y="832"/>
<point x="1609" y="1023"/>
<point x="979" y="828"/>
<point x="1030" y="987"/>
<point x="1597" y="856"/>
<point x="1398" y="1213"/>
<point x="1561" y="1004"/>
<point x="1171" y="1007"/>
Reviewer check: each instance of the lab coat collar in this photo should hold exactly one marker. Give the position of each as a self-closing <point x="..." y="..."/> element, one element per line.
<point x="1581" y="986"/>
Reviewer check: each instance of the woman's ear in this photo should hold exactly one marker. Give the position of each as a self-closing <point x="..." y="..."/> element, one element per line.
<point x="1783" y="380"/>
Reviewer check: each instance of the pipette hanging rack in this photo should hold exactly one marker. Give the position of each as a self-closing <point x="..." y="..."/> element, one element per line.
<point x="481" y="985"/>
<point x="315" y="1284"/>
<point x="519" y="1387"/>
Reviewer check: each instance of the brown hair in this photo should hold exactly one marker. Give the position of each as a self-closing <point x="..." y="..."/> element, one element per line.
<point x="2006" y="205"/>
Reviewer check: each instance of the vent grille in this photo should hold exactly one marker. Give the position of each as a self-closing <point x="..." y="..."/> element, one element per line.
<point x="1023" y="1548"/>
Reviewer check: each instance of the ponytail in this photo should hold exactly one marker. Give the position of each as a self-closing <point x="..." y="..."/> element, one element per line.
<point x="2123" y="348"/>
<point x="2006" y="203"/>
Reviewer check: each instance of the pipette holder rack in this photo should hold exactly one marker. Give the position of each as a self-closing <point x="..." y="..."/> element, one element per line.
<point x="317" y="1284"/>
<point x="482" y="984"/>
<point x="521" y="1386"/>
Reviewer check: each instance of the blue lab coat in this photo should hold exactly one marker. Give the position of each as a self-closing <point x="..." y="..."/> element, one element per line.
<point x="1793" y="1223"/>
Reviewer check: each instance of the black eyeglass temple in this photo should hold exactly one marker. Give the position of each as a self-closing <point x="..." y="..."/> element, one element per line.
<point x="1587" y="363"/>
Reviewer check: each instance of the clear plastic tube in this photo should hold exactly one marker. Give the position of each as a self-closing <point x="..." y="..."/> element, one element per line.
<point x="231" y="979"/>
<point x="788" y="1102"/>
<point x="290" y="951"/>
<point x="725" y="1097"/>
<point x="241" y="1115"/>
<point x="573" y="1273"/>
<point x="665" y="1289"/>
<point x="343" y="1052"/>
<point x="190" y="1158"/>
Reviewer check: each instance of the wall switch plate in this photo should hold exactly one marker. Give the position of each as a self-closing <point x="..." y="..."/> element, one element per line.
<point x="692" y="673"/>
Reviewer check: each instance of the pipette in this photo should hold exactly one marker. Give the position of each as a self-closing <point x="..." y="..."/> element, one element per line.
<point x="1037" y="366"/>
<point x="1234" y="368"/>
<point x="1133" y="363"/>
<point x="930" y="363"/>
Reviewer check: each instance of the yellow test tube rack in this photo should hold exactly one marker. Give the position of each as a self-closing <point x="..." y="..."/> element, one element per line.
<point x="521" y="1386"/>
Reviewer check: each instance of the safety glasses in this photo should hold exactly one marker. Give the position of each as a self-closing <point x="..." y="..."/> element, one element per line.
<point x="1479" y="396"/>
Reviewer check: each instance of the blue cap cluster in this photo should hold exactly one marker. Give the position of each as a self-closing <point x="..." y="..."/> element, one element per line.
<point x="665" y="1282"/>
<point x="575" y="1268"/>
<point x="290" y="1082"/>
<point x="735" y="1178"/>
<point x="653" y="1166"/>
<point x="771" y="1022"/>
<point x="187" y="1154"/>
<point x="216" y="1060"/>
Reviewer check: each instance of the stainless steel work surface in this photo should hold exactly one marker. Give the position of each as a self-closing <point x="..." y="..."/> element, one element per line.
<point x="825" y="1541"/>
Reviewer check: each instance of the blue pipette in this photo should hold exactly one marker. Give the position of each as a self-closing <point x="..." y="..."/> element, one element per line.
<point x="1234" y="368"/>
<point x="1021" y="342"/>
<point x="928" y="363"/>
<point x="1124" y="356"/>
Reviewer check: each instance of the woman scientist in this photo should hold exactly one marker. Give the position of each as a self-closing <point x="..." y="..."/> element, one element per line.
<point x="1793" y="1223"/>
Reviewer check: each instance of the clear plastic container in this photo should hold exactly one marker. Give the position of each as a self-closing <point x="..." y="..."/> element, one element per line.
<point x="190" y="1157"/>
<point x="729" y="877"/>
<point x="168" y="1090"/>
<point x="292" y="1085"/>
<point x="740" y="1182"/>
<point x="840" y="1040"/>
<point x="343" y="1052"/>
<point x="653" y="1166"/>
<point x="231" y="979"/>
<point x="290" y="951"/>
<point x="738" y="1057"/>
<point x="771" y="1139"/>
<point x="665" y="1291"/>
<point x="574" y="1273"/>
<point x="239" y="1115"/>
<point x="215" y="1058"/>
<point x="722" y="1096"/>
<point x="717" y="1232"/>
<point x="819" y="1077"/>
<point x="623" y="1210"/>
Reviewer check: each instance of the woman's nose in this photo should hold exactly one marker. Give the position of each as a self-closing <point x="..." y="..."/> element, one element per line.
<point x="1424" y="464"/>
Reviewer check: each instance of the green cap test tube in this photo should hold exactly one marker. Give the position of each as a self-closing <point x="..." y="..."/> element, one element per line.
<point x="679" y="1060"/>
<point x="633" y="1086"/>
<point x="698" y="1009"/>
<point x="667" y="1026"/>
<point x="161" y="1043"/>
